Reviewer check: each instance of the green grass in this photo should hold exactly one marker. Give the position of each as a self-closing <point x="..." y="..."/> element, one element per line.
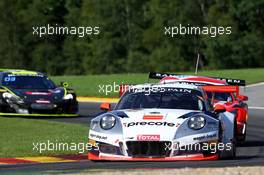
<point x="17" y="136"/>
<point x="89" y="85"/>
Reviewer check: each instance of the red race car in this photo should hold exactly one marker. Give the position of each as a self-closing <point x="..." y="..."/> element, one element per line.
<point x="230" y="97"/>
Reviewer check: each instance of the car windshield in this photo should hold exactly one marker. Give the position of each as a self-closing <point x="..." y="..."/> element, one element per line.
<point x="219" y="96"/>
<point x="27" y="82"/>
<point x="172" y="98"/>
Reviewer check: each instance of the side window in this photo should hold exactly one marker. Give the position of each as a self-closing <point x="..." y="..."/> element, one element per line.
<point x="219" y="96"/>
<point x="229" y="99"/>
<point x="208" y="99"/>
<point x="200" y="105"/>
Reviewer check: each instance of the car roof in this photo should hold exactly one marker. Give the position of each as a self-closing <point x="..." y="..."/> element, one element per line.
<point x="21" y="72"/>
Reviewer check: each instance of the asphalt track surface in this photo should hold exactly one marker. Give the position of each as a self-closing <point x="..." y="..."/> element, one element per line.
<point x="251" y="153"/>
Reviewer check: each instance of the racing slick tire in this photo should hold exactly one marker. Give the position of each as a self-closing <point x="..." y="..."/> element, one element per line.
<point x="231" y="153"/>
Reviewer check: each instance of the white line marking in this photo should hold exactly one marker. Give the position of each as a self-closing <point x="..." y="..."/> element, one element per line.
<point x="255" y="107"/>
<point x="254" y="85"/>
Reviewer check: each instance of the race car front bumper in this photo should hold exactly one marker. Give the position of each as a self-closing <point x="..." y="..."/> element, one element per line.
<point x="148" y="151"/>
<point x="64" y="109"/>
<point x="193" y="157"/>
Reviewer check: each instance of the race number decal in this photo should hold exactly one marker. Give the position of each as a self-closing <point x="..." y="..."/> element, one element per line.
<point x="8" y="79"/>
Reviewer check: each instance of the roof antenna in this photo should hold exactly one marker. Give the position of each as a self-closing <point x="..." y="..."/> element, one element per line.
<point x="197" y="63"/>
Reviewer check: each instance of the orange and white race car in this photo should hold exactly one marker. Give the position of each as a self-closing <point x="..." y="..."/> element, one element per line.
<point x="163" y="122"/>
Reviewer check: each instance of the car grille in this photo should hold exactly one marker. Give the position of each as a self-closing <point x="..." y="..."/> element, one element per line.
<point x="44" y="109"/>
<point x="42" y="106"/>
<point x="148" y="148"/>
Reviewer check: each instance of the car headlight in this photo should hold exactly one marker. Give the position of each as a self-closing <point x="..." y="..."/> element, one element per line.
<point x="7" y="95"/>
<point x="196" y="122"/>
<point x="108" y="121"/>
<point x="11" y="97"/>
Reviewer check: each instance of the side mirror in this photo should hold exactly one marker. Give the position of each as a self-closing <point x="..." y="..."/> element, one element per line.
<point x="64" y="84"/>
<point x="105" y="106"/>
<point x="242" y="97"/>
<point x="218" y="108"/>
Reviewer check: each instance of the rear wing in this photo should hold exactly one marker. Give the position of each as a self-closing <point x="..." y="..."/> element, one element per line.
<point x="158" y="75"/>
<point x="227" y="89"/>
<point x="229" y="81"/>
<point x="230" y="89"/>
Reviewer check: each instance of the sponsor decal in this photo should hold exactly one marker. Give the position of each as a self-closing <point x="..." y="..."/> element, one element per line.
<point x="43" y="101"/>
<point x="95" y="136"/>
<point x="190" y="83"/>
<point x="148" y="137"/>
<point x="153" y="117"/>
<point x="150" y="124"/>
<point x="180" y="90"/>
<point x="208" y="136"/>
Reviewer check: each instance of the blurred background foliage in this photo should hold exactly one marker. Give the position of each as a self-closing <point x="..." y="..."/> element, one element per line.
<point x="131" y="35"/>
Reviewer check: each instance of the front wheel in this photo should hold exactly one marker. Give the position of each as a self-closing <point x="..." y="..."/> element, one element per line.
<point x="230" y="149"/>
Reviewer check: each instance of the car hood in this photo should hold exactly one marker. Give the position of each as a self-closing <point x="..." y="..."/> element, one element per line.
<point x="153" y="124"/>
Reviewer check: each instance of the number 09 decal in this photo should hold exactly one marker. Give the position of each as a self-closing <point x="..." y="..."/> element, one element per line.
<point x="7" y="79"/>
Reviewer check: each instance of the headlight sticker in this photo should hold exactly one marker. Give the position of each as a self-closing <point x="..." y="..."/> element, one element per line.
<point x="196" y="122"/>
<point x="107" y="122"/>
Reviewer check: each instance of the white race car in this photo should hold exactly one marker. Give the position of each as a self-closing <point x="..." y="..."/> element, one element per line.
<point x="163" y="122"/>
